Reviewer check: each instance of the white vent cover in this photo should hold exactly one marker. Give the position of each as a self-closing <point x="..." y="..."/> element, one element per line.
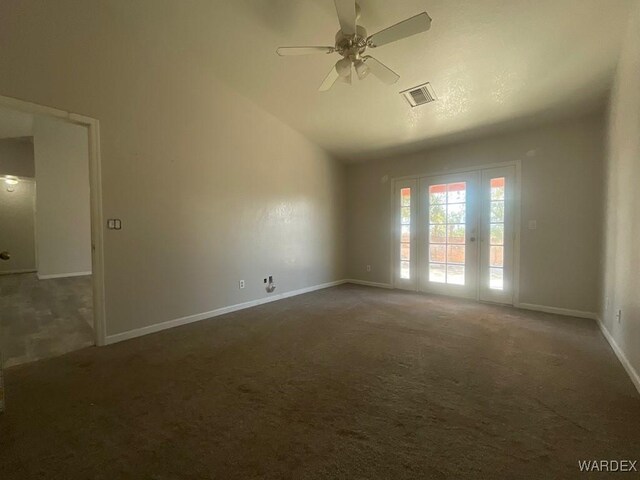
<point x="419" y="95"/>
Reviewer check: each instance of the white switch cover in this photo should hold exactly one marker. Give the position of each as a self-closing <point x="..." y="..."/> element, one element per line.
<point x="533" y="224"/>
<point x="368" y="268"/>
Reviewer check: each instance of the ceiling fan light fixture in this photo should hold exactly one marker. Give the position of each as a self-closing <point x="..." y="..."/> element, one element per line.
<point x="362" y="69"/>
<point x="352" y="40"/>
<point x="346" y="79"/>
<point x="343" y="67"/>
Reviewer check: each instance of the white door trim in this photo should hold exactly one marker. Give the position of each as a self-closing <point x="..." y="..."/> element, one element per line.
<point x="95" y="183"/>
<point x="474" y="168"/>
<point x="447" y="171"/>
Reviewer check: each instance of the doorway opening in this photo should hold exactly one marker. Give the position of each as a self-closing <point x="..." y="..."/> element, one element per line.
<point x="51" y="289"/>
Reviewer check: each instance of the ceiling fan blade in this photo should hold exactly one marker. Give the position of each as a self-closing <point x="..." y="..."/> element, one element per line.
<point x="384" y="73"/>
<point x="285" y="51"/>
<point x="329" y="80"/>
<point x="406" y="28"/>
<point x="346" y="15"/>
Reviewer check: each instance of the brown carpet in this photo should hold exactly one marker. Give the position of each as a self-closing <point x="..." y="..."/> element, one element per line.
<point x="349" y="382"/>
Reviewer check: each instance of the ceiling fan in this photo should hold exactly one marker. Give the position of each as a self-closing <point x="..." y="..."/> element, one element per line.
<point x="352" y="41"/>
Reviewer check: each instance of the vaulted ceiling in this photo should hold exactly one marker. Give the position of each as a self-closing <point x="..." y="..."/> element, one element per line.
<point x="492" y="63"/>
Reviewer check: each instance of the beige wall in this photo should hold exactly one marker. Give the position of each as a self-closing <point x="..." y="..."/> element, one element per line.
<point x="622" y="239"/>
<point x="210" y="188"/>
<point x="560" y="261"/>
<point x="63" y="222"/>
<point x="16" y="157"/>
<point x="17" y="222"/>
<point x="17" y="219"/>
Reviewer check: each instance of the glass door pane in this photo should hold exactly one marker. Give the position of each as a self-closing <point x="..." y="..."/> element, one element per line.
<point x="405" y="233"/>
<point x="447" y="207"/>
<point x="449" y="263"/>
<point x="496" y="241"/>
<point x="404" y="257"/>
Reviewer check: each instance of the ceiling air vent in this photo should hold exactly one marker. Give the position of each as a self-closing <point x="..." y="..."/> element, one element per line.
<point x="419" y="95"/>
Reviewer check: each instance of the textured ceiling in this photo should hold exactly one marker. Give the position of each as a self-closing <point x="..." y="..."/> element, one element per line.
<point x="493" y="64"/>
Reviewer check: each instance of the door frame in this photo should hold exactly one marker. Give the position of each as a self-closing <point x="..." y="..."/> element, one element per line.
<point x="95" y="187"/>
<point x="472" y="168"/>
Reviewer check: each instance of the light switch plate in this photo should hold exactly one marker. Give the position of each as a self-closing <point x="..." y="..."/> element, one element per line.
<point x="114" y="224"/>
<point x="533" y="224"/>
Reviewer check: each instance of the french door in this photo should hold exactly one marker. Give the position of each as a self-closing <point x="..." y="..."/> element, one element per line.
<point x="449" y="233"/>
<point x="454" y="234"/>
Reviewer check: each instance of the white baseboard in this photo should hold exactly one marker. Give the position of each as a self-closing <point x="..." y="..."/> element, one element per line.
<point x="368" y="284"/>
<point x="63" y="275"/>
<point x="557" y="310"/>
<point x="13" y="272"/>
<point x="138" y="332"/>
<point x="633" y="375"/>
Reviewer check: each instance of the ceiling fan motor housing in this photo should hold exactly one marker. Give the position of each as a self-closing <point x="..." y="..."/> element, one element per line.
<point x="352" y="46"/>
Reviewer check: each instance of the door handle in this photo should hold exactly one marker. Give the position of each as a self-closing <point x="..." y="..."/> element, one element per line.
<point x="5" y="255"/>
<point x="472" y="239"/>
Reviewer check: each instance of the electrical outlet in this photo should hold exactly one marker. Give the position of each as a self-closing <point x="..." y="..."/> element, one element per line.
<point x="368" y="268"/>
<point x="619" y="315"/>
<point x="271" y="286"/>
<point x="241" y="284"/>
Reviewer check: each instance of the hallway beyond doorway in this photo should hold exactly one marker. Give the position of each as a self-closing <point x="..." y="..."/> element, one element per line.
<point x="44" y="318"/>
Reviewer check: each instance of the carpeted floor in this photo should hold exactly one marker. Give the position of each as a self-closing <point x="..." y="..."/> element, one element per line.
<point x="44" y="318"/>
<point x="349" y="382"/>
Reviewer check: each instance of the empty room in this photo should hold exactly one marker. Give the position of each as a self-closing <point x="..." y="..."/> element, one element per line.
<point x="319" y="239"/>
